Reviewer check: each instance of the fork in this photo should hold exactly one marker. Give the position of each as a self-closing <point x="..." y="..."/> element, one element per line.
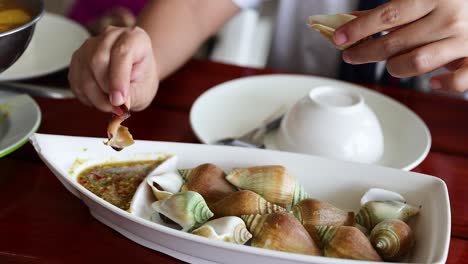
<point x="255" y="137"/>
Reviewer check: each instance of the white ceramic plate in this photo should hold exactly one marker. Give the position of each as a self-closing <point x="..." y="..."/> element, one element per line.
<point x="20" y="117"/>
<point x="235" y="107"/>
<point x="340" y="183"/>
<point x="53" y="43"/>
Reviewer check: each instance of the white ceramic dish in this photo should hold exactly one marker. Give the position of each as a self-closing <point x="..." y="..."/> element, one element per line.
<point x="20" y="117"/>
<point x="340" y="183"/>
<point x="53" y="43"/>
<point x="235" y="107"/>
<point x="332" y="122"/>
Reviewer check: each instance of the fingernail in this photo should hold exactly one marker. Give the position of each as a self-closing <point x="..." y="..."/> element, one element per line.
<point x="436" y="84"/>
<point x="346" y="57"/>
<point x="117" y="98"/>
<point x="340" y="38"/>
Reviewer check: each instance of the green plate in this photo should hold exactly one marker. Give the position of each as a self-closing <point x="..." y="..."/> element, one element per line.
<point x="20" y="117"/>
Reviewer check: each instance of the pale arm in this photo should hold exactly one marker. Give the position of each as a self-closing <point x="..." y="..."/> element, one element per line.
<point x="125" y="65"/>
<point x="178" y="27"/>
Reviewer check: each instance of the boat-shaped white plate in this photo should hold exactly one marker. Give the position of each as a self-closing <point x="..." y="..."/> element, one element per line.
<point x="235" y="107"/>
<point x="340" y="183"/>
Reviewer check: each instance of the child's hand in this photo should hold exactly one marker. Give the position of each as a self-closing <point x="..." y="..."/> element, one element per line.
<point x="424" y="35"/>
<point x="115" y="68"/>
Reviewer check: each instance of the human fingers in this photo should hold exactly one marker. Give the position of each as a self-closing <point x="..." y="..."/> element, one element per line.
<point x="93" y="93"/>
<point x="98" y="56"/>
<point x="456" y="81"/>
<point x="363" y="12"/>
<point x="130" y="49"/>
<point x="75" y="80"/>
<point x="359" y="12"/>
<point x="82" y="97"/>
<point x="426" y="58"/>
<point x="144" y="84"/>
<point x="402" y="40"/>
<point x="392" y="14"/>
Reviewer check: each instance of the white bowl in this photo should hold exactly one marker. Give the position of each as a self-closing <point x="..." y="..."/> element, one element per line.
<point x="335" y="123"/>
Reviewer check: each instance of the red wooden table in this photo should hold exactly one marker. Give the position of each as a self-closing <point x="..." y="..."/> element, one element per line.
<point x="41" y="222"/>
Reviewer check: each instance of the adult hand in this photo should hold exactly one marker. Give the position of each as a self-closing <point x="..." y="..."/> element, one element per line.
<point x="115" y="68"/>
<point x="424" y="35"/>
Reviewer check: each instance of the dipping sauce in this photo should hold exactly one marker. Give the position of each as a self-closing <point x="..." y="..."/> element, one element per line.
<point x="12" y="15"/>
<point x="117" y="182"/>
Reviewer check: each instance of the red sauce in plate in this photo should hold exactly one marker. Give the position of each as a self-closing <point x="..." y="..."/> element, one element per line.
<point x="117" y="182"/>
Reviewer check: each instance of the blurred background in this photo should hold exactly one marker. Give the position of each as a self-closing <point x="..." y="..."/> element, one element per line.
<point x="246" y="40"/>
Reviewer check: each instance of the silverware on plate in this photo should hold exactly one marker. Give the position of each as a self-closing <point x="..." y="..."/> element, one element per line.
<point x="254" y="138"/>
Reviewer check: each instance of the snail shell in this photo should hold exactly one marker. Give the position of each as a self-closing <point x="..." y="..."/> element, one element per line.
<point x="164" y="180"/>
<point x="208" y="180"/>
<point x="392" y="239"/>
<point x="280" y="231"/>
<point x="346" y="242"/>
<point x="229" y="229"/>
<point x="378" y="194"/>
<point x="274" y="183"/>
<point x="187" y="209"/>
<point x="312" y="213"/>
<point x="375" y="212"/>
<point x="165" y="185"/>
<point x="364" y="230"/>
<point x="244" y="203"/>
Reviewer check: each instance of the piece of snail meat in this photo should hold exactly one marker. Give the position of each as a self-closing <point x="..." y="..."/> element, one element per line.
<point x="118" y="136"/>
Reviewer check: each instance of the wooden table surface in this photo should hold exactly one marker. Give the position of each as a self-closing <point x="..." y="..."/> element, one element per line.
<point x="41" y="222"/>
